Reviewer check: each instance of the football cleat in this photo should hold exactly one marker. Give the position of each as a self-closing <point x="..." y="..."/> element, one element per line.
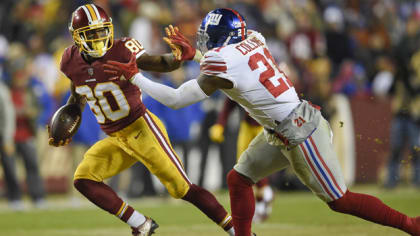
<point x="146" y="229"/>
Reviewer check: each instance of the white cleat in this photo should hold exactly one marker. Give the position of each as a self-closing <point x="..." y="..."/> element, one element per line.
<point x="146" y="229"/>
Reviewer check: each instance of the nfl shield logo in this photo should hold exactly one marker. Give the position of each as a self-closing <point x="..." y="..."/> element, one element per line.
<point x="90" y="71"/>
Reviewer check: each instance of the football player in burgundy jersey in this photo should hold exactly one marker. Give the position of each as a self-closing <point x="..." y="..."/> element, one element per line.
<point x="134" y="133"/>
<point x="295" y="133"/>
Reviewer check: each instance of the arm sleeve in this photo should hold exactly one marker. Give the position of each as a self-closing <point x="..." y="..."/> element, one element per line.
<point x="213" y="64"/>
<point x="225" y="112"/>
<point x="186" y="94"/>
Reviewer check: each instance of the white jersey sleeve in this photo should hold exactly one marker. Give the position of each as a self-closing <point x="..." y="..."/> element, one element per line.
<point x="213" y="64"/>
<point x="258" y="35"/>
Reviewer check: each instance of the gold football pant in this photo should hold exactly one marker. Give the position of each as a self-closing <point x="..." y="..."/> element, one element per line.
<point x="246" y="134"/>
<point x="144" y="140"/>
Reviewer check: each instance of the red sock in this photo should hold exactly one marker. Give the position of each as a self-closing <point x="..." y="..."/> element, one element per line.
<point x="207" y="203"/>
<point x="241" y="203"/>
<point x="372" y="209"/>
<point x="104" y="197"/>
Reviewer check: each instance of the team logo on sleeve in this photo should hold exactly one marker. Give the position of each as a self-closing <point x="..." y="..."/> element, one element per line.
<point x="214" y="19"/>
<point x="90" y="71"/>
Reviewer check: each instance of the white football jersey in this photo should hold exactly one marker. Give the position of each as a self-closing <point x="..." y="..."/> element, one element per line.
<point x="259" y="86"/>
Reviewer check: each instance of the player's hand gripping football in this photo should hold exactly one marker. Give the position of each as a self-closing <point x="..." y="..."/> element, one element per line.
<point x="118" y="69"/>
<point x="56" y="143"/>
<point x="180" y="45"/>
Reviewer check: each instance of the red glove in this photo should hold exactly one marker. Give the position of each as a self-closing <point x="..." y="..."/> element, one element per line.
<point x="118" y="69"/>
<point x="177" y="38"/>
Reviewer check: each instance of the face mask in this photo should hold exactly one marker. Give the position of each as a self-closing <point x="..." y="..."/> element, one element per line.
<point x="99" y="47"/>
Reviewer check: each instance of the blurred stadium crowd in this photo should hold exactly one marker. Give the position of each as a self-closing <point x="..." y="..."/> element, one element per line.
<point x="347" y="49"/>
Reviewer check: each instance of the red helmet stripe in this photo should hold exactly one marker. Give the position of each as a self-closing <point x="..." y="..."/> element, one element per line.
<point x="240" y="20"/>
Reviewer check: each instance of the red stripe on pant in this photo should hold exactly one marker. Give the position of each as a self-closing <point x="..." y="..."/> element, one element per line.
<point x="320" y="180"/>
<point x="325" y="165"/>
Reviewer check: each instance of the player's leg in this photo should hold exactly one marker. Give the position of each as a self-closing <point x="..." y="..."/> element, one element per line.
<point x="397" y="138"/>
<point x="14" y="192"/>
<point x="264" y="194"/>
<point x="258" y="161"/>
<point x="103" y="160"/>
<point x="316" y="164"/>
<point x="414" y="142"/>
<point x="33" y="178"/>
<point x="153" y="149"/>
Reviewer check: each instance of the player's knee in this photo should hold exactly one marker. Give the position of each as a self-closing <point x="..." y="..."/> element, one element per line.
<point x="234" y="178"/>
<point x="83" y="171"/>
<point x="80" y="184"/>
<point x="342" y="204"/>
<point x="178" y="192"/>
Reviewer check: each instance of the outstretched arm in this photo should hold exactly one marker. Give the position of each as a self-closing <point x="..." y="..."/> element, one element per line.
<point x="181" y="50"/>
<point x="159" y="63"/>
<point x="188" y="93"/>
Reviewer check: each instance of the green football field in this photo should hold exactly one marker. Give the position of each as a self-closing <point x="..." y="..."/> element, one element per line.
<point x="293" y="214"/>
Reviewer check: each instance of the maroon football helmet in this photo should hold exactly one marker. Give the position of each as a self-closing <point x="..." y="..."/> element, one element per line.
<point x="92" y="30"/>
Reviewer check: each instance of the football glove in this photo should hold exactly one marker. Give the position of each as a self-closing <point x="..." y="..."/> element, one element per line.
<point x="176" y="50"/>
<point x="216" y="133"/>
<point x="177" y="41"/>
<point x="52" y="141"/>
<point x="120" y="70"/>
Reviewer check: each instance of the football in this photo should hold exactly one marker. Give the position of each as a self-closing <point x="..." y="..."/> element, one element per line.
<point x="65" y="122"/>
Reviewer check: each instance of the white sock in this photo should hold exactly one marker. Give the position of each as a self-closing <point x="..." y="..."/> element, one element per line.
<point x="136" y="219"/>
<point x="231" y="231"/>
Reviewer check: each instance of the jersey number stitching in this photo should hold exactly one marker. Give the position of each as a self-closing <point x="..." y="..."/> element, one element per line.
<point x="99" y="104"/>
<point x="133" y="45"/>
<point x="276" y="86"/>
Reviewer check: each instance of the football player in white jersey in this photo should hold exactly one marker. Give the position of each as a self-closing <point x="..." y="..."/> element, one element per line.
<point x="295" y="133"/>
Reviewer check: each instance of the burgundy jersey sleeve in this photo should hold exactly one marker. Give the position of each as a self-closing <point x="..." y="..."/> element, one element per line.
<point x="66" y="61"/>
<point x="133" y="46"/>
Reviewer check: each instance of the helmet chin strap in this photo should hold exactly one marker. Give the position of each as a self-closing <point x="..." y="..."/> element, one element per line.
<point x="227" y="40"/>
<point x="98" y="49"/>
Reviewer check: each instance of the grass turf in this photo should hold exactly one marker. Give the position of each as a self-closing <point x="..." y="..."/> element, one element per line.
<point x="293" y="214"/>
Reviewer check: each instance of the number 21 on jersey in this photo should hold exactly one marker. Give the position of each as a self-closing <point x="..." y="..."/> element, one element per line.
<point x="276" y="85"/>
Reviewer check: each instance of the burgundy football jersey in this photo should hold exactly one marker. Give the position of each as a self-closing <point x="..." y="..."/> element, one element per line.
<point x="116" y="104"/>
